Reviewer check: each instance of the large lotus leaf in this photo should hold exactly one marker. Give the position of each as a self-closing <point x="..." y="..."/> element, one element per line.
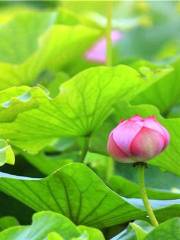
<point x="103" y="166"/>
<point x="16" y="100"/>
<point x="71" y="191"/>
<point x="78" y="193"/>
<point x="164" y="93"/>
<point x="19" y="36"/>
<point x="57" y="47"/>
<point x="48" y="164"/>
<point x="78" y="110"/>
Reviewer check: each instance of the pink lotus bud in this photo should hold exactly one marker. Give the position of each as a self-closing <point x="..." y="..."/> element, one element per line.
<point x="97" y="53"/>
<point x="137" y="139"/>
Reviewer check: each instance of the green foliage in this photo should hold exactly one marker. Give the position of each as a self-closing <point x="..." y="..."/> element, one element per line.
<point x="78" y="110"/>
<point x="101" y="164"/>
<point x="54" y="223"/>
<point x="165" y="93"/>
<point x="19" y="36"/>
<point x="167" y="230"/>
<point x="130" y="189"/>
<point x="42" y="49"/>
<point x="8" y="221"/>
<point x="136" y="230"/>
<point x="71" y="191"/>
<point x="57" y="109"/>
<point x="48" y="164"/>
<point x="6" y="153"/>
<point x="140" y="233"/>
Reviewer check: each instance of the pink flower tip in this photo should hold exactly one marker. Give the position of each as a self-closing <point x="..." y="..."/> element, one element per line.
<point x="137" y="139"/>
<point x="136" y="118"/>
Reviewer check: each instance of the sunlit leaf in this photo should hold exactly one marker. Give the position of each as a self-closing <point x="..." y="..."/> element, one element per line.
<point x="140" y="233"/>
<point x="164" y="94"/>
<point x="57" y="47"/>
<point x="78" y="110"/>
<point x="19" y="36"/>
<point x="72" y="190"/>
<point x="6" y="153"/>
<point x="54" y="223"/>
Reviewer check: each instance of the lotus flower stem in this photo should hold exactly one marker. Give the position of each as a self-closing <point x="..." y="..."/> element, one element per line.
<point x="108" y="34"/>
<point x="141" y="168"/>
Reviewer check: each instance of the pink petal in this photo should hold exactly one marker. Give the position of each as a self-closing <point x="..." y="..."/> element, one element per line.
<point x="113" y="149"/>
<point x="116" y="36"/>
<point x="116" y="152"/>
<point x="151" y="123"/>
<point x="124" y="133"/>
<point x="137" y="118"/>
<point x="97" y="52"/>
<point x="146" y="144"/>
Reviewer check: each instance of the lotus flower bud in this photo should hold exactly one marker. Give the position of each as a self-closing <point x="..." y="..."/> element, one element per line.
<point x="137" y="139"/>
<point x="97" y="53"/>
